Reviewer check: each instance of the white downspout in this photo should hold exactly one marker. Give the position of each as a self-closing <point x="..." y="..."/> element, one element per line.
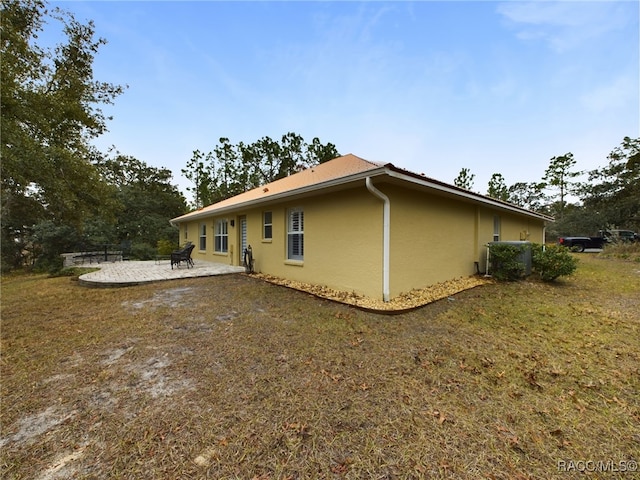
<point x="386" y="212"/>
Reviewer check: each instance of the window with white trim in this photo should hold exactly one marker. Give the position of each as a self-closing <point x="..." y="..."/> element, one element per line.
<point x="295" y="234"/>
<point x="496" y="228"/>
<point x="203" y="236"/>
<point x="267" y="225"/>
<point x="221" y="236"/>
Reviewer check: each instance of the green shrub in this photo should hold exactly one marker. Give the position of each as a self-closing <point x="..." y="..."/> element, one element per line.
<point x="553" y="261"/>
<point x="143" y="251"/>
<point x="48" y="264"/>
<point x="48" y="240"/>
<point x="165" y="247"/>
<point x="505" y="262"/>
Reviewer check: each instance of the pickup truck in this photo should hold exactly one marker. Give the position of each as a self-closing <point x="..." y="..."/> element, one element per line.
<point x="579" y="244"/>
<point x="620" y="236"/>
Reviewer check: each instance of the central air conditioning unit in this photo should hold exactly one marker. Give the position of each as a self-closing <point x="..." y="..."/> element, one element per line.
<point x="524" y="257"/>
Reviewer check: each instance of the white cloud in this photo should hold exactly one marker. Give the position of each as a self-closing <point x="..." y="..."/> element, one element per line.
<point x="564" y="25"/>
<point x="430" y="87"/>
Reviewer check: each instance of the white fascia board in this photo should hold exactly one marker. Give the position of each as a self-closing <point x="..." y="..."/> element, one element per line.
<point x="467" y="195"/>
<point x="376" y="172"/>
<point x="284" y="195"/>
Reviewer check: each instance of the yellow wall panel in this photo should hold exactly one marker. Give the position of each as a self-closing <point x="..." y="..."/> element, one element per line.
<point x="433" y="238"/>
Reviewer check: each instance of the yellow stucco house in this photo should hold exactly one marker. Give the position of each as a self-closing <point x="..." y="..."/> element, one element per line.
<point x="358" y="226"/>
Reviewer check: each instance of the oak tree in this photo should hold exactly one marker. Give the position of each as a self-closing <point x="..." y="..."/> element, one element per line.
<point x="50" y="113"/>
<point x="614" y="190"/>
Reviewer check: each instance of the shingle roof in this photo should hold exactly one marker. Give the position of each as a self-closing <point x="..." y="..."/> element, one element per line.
<point x="337" y="168"/>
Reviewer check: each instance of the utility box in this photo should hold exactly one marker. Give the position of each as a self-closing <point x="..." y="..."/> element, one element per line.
<point x="524" y="258"/>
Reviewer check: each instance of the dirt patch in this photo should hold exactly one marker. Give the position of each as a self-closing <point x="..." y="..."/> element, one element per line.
<point x="124" y="374"/>
<point x="114" y="355"/>
<point x="35" y="425"/>
<point x="170" y="297"/>
<point x="132" y="371"/>
<point x="62" y="377"/>
<point x="227" y="317"/>
<point x="61" y="468"/>
<point x="149" y="378"/>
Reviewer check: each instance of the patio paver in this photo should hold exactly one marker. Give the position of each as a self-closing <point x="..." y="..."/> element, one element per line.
<point x="120" y="274"/>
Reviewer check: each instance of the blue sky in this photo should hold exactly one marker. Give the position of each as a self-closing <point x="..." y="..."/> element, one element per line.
<point x="432" y="87"/>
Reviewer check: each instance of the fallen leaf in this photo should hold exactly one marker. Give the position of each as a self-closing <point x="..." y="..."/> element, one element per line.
<point x="440" y="415"/>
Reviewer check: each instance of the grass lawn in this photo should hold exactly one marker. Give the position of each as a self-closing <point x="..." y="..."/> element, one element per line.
<point x="231" y="377"/>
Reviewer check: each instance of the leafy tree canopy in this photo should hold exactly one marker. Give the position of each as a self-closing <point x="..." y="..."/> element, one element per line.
<point x="529" y="195"/>
<point x="142" y="201"/>
<point x="610" y="198"/>
<point x="464" y="179"/>
<point x="50" y="112"/>
<point x="498" y="188"/>
<point x="146" y="200"/>
<point x="232" y="169"/>
<point x="614" y="190"/>
<point x="558" y="175"/>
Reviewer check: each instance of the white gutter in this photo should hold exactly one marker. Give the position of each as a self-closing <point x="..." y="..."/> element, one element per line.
<point x="279" y="196"/>
<point x="383" y="170"/>
<point x="468" y="195"/>
<point x="386" y="212"/>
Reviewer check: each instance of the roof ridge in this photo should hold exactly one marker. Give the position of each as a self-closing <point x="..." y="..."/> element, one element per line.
<point x="336" y="168"/>
<point x="337" y="171"/>
<point x="371" y="162"/>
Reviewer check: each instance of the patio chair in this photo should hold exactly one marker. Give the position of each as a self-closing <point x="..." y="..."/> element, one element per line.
<point x="182" y="255"/>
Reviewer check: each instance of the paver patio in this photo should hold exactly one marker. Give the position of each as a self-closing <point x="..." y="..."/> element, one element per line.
<point x="120" y="274"/>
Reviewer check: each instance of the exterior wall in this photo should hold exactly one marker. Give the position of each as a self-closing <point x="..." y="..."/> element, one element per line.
<point x="338" y="247"/>
<point x="515" y="227"/>
<point x="512" y="227"/>
<point x="343" y="246"/>
<point x="433" y="239"/>
<point x="342" y="241"/>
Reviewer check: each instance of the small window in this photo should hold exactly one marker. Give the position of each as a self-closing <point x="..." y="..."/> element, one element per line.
<point x="221" y="238"/>
<point x="295" y="235"/>
<point x="203" y="236"/>
<point x="186" y="230"/>
<point x="267" y="226"/>
<point x="496" y="228"/>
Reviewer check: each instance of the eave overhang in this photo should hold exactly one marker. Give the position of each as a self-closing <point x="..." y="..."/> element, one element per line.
<point x="457" y="192"/>
<point x="314" y="189"/>
<point x="388" y="171"/>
